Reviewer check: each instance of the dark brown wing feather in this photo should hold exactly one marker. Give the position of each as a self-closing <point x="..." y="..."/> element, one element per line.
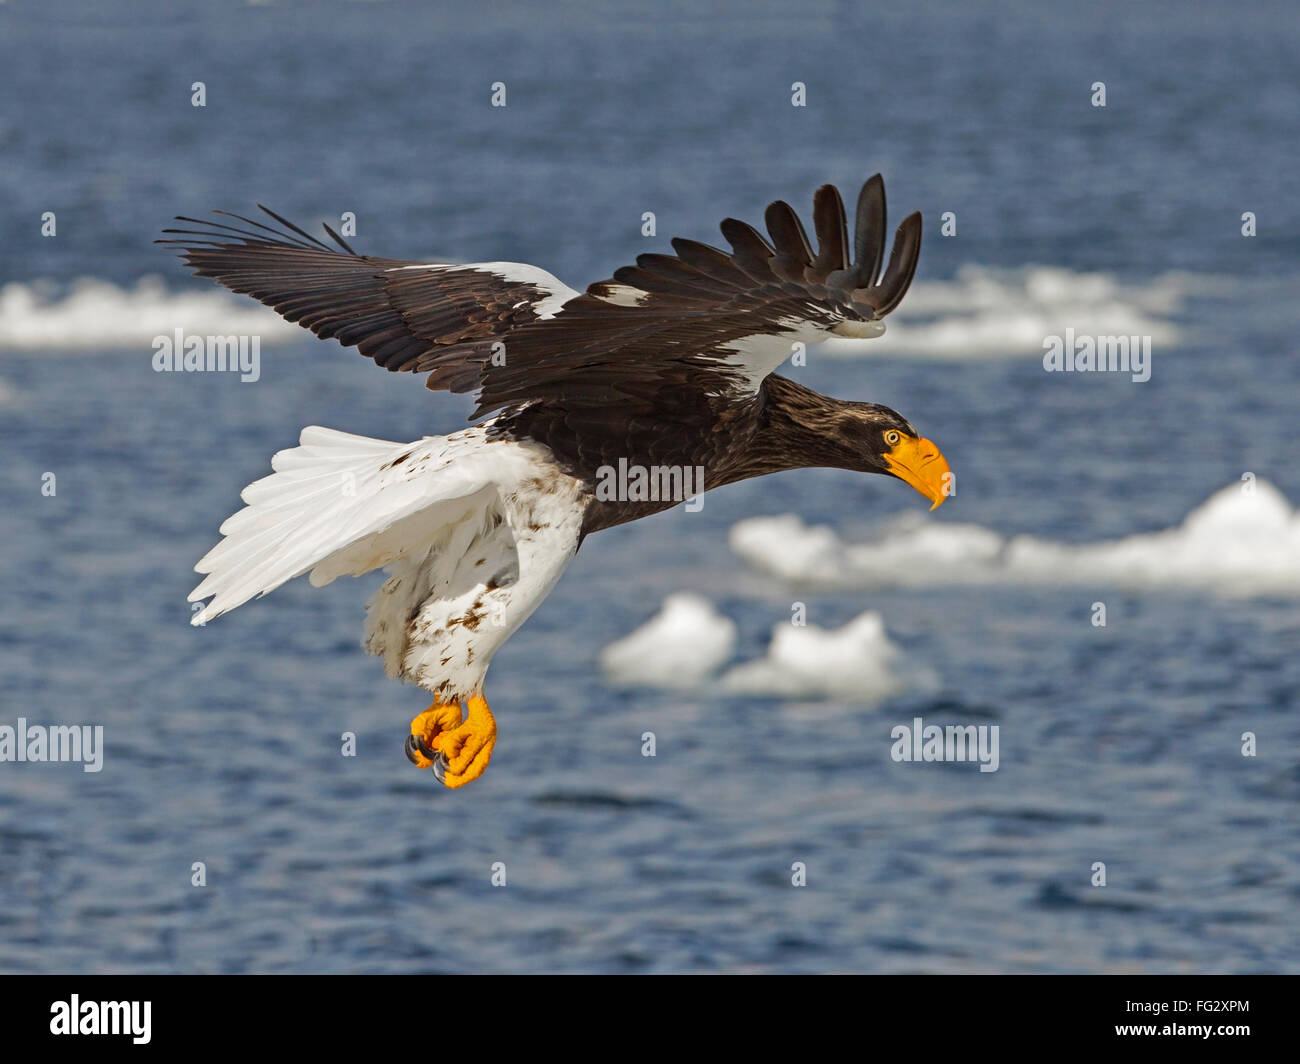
<point x="695" y="304"/>
<point x="648" y="346"/>
<point x="403" y="318"/>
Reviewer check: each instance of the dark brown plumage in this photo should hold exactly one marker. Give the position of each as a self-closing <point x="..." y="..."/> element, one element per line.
<point x="655" y="365"/>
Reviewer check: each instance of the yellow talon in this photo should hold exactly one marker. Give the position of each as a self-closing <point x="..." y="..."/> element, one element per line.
<point x="465" y="747"/>
<point x="468" y="748"/>
<point x="435" y="720"/>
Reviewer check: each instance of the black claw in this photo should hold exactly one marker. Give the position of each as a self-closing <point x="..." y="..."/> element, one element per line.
<point x="416" y="745"/>
<point x="411" y="748"/>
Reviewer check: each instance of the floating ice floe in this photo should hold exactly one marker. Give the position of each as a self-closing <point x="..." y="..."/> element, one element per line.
<point x="685" y="645"/>
<point x="1238" y="541"/>
<point x="983" y="312"/>
<point x="679" y="647"/>
<point x="96" y="315"/>
<point x="986" y="312"/>
<point x="854" y="662"/>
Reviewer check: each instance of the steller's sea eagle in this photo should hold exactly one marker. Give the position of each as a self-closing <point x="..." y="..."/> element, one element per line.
<point x="662" y="370"/>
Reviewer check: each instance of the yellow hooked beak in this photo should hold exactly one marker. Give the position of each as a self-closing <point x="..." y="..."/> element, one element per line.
<point x="917" y="461"/>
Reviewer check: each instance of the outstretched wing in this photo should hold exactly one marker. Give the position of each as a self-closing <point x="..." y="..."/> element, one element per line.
<point x="403" y="315"/>
<point x="710" y="320"/>
<point x="707" y="321"/>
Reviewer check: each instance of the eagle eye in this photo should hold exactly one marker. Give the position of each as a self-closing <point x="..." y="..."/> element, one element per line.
<point x="892" y="437"/>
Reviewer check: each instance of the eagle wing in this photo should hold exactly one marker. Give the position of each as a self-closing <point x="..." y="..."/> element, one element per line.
<point x="701" y="322"/>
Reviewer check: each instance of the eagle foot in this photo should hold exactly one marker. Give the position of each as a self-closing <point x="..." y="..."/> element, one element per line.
<point x="457" y="750"/>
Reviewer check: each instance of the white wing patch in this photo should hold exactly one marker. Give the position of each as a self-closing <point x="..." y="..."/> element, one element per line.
<point x="758" y="355"/>
<point x="623" y="295"/>
<point x="559" y="293"/>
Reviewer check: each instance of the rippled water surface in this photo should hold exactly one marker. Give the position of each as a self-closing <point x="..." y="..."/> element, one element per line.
<point x="1119" y="745"/>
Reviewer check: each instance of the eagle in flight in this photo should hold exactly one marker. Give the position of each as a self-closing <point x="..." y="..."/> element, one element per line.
<point x="664" y="368"/>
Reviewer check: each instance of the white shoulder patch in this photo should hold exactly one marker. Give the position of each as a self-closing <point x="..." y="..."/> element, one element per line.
<point x="758" y="355"/>
<point x="559" y="293"/>
<point x="622" y="295"/>
<point x="859" y="330"/>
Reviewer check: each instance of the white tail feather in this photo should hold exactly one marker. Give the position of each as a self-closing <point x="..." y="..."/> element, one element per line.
<point x="341" y="504"/>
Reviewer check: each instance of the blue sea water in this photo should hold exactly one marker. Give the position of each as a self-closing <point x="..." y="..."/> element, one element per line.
<point x="1119" y="745"/>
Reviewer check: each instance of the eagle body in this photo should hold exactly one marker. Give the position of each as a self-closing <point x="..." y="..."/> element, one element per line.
<point x="666" y="368"/>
